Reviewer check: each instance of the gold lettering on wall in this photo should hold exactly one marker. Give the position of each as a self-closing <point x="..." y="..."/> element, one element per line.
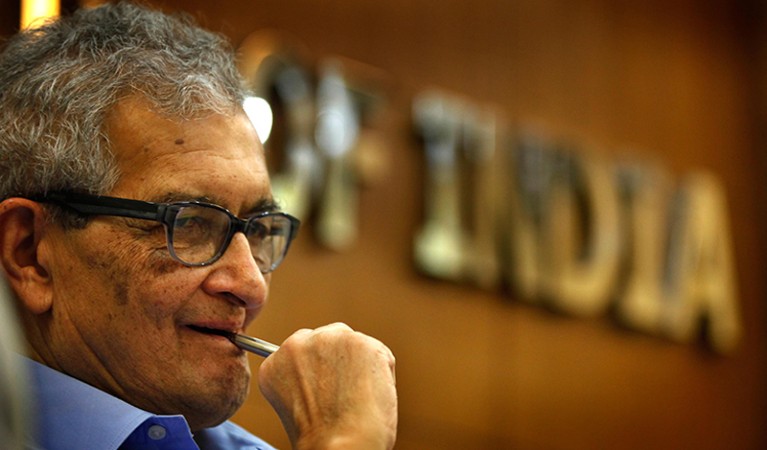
<point x="322" y="148"/>
<point x="507" y="207"/>
<point x="580" y="238"/>
<point x="576" y="233"/>
<point x="701" y="269"/>
<point x="439" y="244"/>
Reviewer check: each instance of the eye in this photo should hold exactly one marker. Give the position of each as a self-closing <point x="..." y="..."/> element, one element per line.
<point x="257" y="230"/>
<point x="191" y="224"/>
<point x="195" y="224"/>
<point x="189" y="221"/>
<point x="145" y="226"/>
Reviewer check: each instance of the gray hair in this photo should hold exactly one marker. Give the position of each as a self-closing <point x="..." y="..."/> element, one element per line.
<point x="58" y="82"/>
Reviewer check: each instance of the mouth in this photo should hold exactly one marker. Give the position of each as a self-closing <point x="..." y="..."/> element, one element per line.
<point x="211" y="331"/>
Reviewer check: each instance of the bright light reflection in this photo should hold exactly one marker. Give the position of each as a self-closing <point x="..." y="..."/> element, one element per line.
<point x="34" y="10"/>
<point x="260" y="114"/>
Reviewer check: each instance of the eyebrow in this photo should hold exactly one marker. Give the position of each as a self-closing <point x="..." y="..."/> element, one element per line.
<point x="262" y="205"/>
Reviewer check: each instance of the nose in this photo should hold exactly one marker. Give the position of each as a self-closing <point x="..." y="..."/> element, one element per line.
<point x="236" y="277"/>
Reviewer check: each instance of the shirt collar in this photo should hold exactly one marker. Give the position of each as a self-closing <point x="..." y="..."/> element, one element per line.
<point x="83" y="417"/>
<point x="71" y="411"/>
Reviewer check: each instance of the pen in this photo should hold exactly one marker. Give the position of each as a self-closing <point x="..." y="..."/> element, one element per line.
<point x="254" y="345"/>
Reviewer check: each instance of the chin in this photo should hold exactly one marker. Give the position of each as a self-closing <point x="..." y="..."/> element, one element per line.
<point x="216" y="404"/>
<point x="215" y="411"/>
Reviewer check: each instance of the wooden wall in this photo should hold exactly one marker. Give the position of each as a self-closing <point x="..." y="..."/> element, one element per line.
<point x="670" y="81"/>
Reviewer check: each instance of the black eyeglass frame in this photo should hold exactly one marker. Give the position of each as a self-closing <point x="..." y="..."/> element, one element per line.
<point x="165" y="213"/>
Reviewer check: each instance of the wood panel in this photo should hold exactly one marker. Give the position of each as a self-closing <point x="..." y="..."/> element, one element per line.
<point x="668" y="81"/>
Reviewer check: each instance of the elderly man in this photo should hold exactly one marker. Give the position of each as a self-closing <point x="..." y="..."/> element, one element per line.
<point x="137" y="228"/>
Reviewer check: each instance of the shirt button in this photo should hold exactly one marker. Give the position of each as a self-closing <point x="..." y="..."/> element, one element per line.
<point x="156" y="432"/>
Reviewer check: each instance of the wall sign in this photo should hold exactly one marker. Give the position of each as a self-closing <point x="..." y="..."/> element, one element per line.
<point x="572" y="231"/>
<point x="508" y="207"/>
<point x="321" y="127"/>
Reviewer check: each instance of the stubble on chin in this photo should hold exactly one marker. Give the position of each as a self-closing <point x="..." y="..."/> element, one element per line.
<point x="218" y="405"/>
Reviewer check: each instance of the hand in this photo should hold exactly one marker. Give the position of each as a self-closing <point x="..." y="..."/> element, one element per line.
<point x="333" y="388"/>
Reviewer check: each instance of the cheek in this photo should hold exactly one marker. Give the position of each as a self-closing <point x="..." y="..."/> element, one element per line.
<point x="116" y="277"/>
<point x="122" y="262"/>
<point x="160" y="263"/>
<point x="129" y="270"/>
<point x="136" y="279"/>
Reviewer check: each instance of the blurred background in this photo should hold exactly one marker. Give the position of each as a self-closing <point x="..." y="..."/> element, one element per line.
<point x="552" y="211"/>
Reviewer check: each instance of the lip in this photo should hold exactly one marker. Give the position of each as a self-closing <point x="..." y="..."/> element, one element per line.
<point x="223" y="327"/>
<point x="214" y="329"/>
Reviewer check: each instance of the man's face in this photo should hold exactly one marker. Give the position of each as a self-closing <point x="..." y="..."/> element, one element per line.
<point x="122" y="307"/>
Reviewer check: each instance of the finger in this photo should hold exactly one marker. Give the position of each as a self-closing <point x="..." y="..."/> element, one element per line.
<point x="337" y="326"/>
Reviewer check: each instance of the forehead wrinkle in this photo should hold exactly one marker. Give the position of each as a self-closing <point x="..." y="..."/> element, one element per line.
<point x="174" y="137"/>
<point x="203" y="156"/>
<point x="163" y="152"/>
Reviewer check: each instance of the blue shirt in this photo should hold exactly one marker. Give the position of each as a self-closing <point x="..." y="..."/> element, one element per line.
<point x="72" y="415"/>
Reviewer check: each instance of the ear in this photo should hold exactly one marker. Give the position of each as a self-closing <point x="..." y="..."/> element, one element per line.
<point x="22" y="229"/>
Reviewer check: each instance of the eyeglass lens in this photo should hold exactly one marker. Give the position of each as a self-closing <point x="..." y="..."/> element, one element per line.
<point x="201" y="232"/>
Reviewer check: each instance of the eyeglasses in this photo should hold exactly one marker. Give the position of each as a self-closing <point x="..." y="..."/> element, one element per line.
<point x="197" y="233"/>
